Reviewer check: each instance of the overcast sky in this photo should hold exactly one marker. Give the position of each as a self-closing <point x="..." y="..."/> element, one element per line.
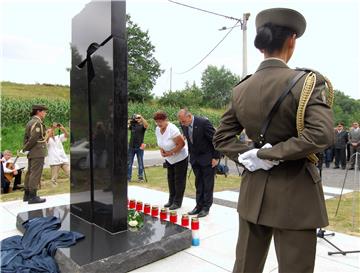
<point x="36" y="37"/>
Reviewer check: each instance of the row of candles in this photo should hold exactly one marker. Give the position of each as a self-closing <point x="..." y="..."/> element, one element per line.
<point x="154" y="212"/>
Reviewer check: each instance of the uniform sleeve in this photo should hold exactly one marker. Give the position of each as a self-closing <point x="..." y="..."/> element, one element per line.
<point x="226" y="139"/>
<point x="316" y="136"/>
<point x="35" y="135"/>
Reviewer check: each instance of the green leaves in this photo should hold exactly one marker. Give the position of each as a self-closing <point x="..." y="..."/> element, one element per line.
<point x="143" y="68"/>
<point x="216" y="85"/>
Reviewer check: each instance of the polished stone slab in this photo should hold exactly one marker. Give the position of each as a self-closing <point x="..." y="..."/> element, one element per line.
<point x="102" y="251"/>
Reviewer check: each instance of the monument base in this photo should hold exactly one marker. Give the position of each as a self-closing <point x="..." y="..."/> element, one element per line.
<point x="102" y="251"/>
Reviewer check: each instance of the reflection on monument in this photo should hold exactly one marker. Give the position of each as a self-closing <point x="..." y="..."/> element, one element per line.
<point x="99" y="186"/>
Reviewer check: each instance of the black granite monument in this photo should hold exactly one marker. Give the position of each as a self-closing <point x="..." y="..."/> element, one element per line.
<point x="99" y="116"/>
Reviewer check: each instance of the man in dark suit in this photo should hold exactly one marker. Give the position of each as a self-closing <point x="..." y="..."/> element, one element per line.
<point x="341" y="139"/>
<point x="203" y="158"/>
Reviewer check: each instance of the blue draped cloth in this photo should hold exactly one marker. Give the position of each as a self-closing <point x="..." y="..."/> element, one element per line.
<point x="34" y="252"/>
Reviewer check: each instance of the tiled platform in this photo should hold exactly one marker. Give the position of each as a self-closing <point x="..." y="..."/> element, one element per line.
<point x="218" y="234"/>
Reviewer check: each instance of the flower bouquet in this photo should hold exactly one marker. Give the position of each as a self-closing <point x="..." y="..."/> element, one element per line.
<point x="135" y="220"/>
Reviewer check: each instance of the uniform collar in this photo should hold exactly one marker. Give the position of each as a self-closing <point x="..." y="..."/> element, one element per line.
<point x="272" y="62"/>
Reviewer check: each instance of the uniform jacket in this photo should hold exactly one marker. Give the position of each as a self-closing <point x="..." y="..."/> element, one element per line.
<point x="289" y="195"/>
<point x="202" y="149"/>
<point x="34" y="139"/>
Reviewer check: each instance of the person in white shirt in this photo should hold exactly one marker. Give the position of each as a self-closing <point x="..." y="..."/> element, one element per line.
<point x="13" y="172"/>
<point x="173" y="149"/>
<point x="57" y="158"/>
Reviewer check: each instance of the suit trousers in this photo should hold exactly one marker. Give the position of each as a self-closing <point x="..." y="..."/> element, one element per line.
<point x="34" y="172"/>
<point x="295" y="249"/>
<point x="176" y="174"/>
<point x="354" y="150"/>
<point x="340" y="157"/>
<point x="204" y="183"/>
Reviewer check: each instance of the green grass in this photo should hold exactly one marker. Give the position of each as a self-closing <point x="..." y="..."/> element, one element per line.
<point x="29" y="91"/>
<point x="343" y="221"/>
<point x="47" y="187"/>
<point x="157" y="177"/>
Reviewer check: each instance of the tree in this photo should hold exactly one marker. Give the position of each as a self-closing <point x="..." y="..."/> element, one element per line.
<point x="190" y="96"/>
<point x="345" y="109"/>
<point x="143" y="68"/>
<point x="216" y="85"/>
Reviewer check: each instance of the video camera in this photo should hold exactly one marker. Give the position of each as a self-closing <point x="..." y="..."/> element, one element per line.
<point x="134" y="118"/>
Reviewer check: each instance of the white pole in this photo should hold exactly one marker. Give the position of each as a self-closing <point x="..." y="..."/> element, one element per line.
<point x="244" y="28"/>
<point x="355" y="188"/>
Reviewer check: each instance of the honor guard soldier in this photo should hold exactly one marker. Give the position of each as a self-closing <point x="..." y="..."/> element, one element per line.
<point x="287" y="113"/>
<point x="35" y="147"/>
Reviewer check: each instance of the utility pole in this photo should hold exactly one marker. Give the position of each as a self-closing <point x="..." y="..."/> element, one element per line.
<point x="244" y="28"/>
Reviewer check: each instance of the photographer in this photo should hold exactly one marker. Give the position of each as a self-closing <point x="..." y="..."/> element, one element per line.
<point x="57" y="158"/>
<point x="137" y="127"/>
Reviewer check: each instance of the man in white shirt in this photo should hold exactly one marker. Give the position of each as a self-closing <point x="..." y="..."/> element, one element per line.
<point x="57" y="158"/>
<point x="14" y="172"/>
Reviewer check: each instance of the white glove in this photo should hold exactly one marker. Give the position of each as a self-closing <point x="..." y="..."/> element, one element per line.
<point x="251" y="162"/>
<point x="24" y="152"/>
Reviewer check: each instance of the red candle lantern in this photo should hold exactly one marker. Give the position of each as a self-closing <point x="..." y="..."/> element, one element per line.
<point x="173" y="216"/>
<point x="139" y="206"/>
<point x="194" y="223"/>
<point x="163" y="214"/>
<point x="132" y="204"/>
<point x="147" y="208"/>
<point x="185" y="220"/>
<point x="155" y="211"/>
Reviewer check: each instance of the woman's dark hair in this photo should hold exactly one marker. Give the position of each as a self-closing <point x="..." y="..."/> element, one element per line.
<point x="271" y="37"/>
<point x="33" y="112"/>
<point x="160" y="115"/>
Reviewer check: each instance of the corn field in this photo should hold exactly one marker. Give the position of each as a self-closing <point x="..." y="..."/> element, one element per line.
<point x="17" y="111"/>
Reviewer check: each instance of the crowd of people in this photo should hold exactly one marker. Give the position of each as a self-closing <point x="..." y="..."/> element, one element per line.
<point x="344" y="149"/>
<point x="39" y="143"/>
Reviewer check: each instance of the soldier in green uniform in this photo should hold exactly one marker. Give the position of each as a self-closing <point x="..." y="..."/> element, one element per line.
<point x="35" y="147"/>
<point x="281" y="195"/>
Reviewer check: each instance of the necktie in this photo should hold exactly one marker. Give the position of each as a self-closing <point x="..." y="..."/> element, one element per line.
<point x="191" y="133"/>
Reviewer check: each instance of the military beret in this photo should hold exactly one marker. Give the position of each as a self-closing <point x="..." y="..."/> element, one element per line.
<point x="40" y="107"/>
<point x="282" y="17"/>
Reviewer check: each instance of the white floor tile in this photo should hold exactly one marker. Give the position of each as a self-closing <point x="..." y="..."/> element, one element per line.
<point x="227" y="195"/>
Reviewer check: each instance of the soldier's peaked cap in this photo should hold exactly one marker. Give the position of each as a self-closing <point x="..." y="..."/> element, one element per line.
<point x="40" y="107"/>
<point x="282" y="17"/>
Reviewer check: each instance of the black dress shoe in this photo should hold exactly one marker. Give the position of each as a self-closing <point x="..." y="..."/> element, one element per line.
<point x="168" y="204"/>
<point x="351" y="168"/>
<point x="203" y="213"/>
<point x="194" y="211"/>
<point x="174" y="206"/>
<point x="336" y="167"/>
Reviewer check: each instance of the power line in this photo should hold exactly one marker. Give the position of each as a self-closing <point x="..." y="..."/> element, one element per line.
<point x="231" y="29"/>
<point x="211" y="12"/>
